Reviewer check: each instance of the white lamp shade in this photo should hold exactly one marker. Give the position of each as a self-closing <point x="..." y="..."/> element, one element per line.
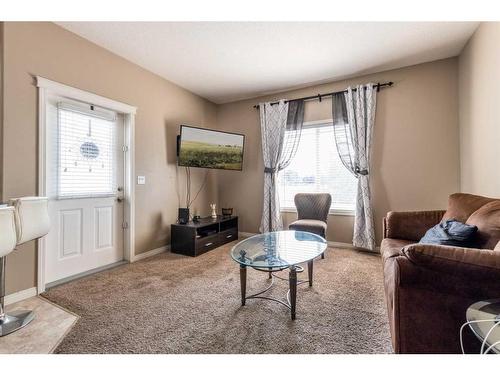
<point x="32" y="218"/>
<point x="8" y="235"/>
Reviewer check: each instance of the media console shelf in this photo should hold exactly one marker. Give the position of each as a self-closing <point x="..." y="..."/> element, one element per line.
<point x="195" y="238"/>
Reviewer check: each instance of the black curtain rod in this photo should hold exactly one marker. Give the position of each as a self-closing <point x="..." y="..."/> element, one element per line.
<point x="321" y="96"/>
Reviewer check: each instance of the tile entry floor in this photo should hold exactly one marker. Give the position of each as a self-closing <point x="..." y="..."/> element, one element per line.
<point x="43" y="334"/>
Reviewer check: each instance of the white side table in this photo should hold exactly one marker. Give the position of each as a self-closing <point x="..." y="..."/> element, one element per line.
<point x="483" y="318"/>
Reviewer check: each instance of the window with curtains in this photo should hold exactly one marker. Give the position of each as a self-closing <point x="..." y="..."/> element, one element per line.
<point x="87" y="151"/>
<point x="317" y="168"/>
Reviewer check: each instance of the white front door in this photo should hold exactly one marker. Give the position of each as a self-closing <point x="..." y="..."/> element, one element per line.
<point x="85" y="185"/>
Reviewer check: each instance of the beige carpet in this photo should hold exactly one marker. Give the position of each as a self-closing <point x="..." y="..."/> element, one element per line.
<point x="176" y="304"/>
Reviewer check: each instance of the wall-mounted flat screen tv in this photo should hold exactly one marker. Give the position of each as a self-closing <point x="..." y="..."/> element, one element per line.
<point x="205" y="148"/>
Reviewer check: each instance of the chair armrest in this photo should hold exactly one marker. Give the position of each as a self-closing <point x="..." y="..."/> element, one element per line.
<point x="410" y="226"/>
<point x="464" y="263"/>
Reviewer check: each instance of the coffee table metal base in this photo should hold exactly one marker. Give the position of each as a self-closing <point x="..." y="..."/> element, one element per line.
<point x="291" y="296"/>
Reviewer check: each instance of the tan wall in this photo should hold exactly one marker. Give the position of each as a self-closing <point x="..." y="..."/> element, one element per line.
<point x="47" y="50"/>
<point x="1" y="109"/>
<point x="415" y="146"/>
<point x="479" y="111"/>
<point x="415" y="159"/>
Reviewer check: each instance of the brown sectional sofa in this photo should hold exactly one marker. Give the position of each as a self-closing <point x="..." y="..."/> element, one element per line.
<point x="429" y="287"/>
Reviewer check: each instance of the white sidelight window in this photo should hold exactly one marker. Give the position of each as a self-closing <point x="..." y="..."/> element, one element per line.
<point x="317" y="168"/>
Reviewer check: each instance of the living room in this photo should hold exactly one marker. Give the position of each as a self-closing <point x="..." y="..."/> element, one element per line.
<point x="250" y="187"/>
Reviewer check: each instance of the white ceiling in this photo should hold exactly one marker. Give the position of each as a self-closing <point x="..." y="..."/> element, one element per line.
<point x="228" y="61"/>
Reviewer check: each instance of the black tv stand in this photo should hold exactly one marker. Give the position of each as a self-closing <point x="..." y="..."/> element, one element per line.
<point x="195" y="238"/>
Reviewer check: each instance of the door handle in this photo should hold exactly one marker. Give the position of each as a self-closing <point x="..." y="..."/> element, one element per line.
<point x="209" y="244"/>
<point x="229" y="236"/>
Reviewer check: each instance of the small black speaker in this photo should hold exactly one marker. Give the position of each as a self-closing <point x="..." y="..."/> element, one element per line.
<point x="183" y="215"/>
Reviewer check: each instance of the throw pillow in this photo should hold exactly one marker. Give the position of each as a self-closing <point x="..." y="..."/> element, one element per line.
<point x="451" y="233"/>
<point x="462" y="205"/>
<point x="487" y="219"/>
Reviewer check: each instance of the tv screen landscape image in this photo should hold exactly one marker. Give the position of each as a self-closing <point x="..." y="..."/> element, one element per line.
<point x="205" y="148"/>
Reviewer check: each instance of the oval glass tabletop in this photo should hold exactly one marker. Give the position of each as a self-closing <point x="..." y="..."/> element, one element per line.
<point x="278" y="249"/>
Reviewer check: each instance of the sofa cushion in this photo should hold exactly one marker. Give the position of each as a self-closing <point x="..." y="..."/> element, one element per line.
<point x="410" y="226"/>
<point x="451" y="233"/>
<point x="458" y="261"/>
<point x="487" y="219"/>
<point x="308" y="225"/>
<point x="461" y="206"/>
<point x="497" y="247"/>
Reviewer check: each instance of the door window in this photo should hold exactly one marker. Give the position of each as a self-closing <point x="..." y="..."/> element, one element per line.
<point x="87" y="152"/>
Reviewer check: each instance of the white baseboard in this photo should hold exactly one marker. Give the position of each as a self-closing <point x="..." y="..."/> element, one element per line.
<point x="19" y="296"/>
<point x="246" y="234"/>
<point x="151" y="253"/>
<point x="343" y="245"/>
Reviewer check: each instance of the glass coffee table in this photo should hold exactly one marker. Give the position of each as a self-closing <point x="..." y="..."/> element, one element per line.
<point x="276" y="251"/>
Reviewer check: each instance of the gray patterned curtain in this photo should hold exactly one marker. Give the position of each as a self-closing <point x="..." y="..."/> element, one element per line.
<point x="281" y="127"/>
<point x="353" y="115"/>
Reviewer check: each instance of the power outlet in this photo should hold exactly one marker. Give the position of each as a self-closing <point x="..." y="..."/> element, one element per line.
<point x="141" y="180"/>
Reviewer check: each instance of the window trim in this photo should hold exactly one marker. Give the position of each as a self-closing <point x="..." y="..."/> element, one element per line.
<point x="317" y="123"/>
<point x="332" y="211"/>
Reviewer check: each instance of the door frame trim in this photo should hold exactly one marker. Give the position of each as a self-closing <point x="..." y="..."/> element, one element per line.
<point x="47" y="87"/>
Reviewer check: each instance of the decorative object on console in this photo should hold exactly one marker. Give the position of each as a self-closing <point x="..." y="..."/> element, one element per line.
<point x="227" y="212"/>
<point x="183" y="217"/>
<point x="214" y="212"/>
<point x="24" y="220"/>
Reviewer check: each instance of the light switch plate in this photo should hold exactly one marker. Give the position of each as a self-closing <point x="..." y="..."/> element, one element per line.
<point x="141" y="180"/>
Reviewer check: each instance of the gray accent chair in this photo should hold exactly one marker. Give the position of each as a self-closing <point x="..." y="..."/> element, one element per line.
<point x="312" y="212"/>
